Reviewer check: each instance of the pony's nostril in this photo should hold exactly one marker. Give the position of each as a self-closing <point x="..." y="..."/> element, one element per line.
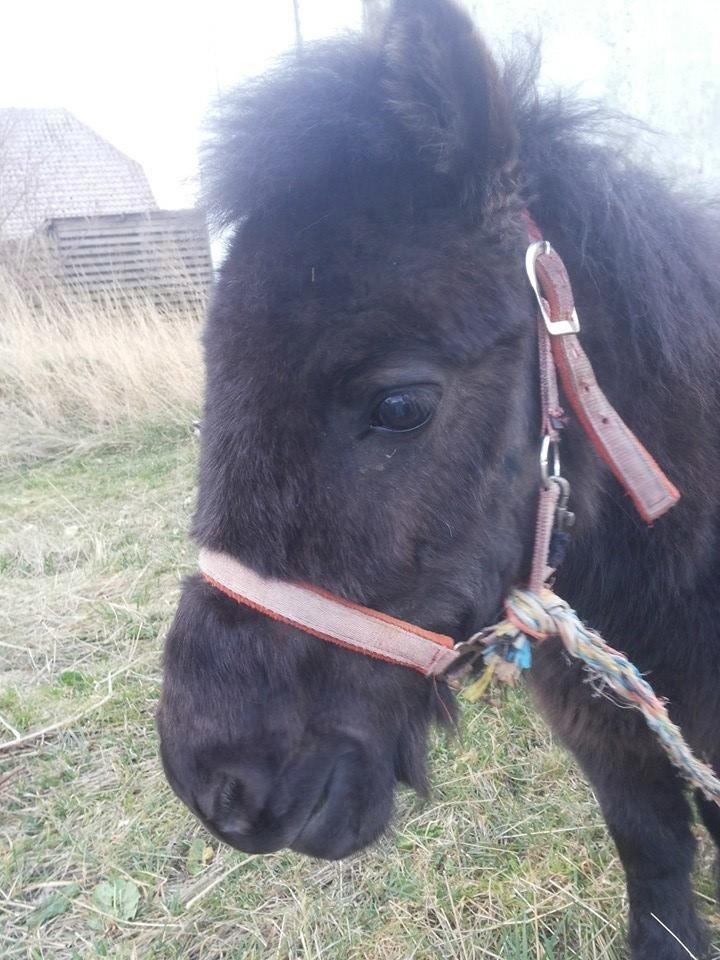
<point x="231" y="810"/>
<point x="231" y="804"/>
<point x="241" y="809"/>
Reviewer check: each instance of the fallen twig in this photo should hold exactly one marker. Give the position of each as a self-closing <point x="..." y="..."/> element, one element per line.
<point x="19" y="742"/>
<point x="214" y="883"/>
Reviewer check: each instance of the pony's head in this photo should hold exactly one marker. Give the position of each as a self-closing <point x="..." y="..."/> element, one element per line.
<point x="370" y="427"/>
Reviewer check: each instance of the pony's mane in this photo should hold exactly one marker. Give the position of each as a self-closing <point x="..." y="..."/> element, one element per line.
<point x="646" y="246"/>
<point x="318" y="132"/>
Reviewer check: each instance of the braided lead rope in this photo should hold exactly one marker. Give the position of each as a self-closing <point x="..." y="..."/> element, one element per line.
<point x="541" y="615"/>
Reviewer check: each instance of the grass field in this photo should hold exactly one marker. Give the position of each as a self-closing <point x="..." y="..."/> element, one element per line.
<point x="508" y="859"/>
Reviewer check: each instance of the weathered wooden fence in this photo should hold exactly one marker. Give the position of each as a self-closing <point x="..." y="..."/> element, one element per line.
<point x="161" y="254"/>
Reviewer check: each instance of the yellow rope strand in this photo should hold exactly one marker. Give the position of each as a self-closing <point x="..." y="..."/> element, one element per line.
<point x="476" y="690"/>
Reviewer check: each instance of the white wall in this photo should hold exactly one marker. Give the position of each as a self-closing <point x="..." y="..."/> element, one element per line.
<point x="658" y="60"/>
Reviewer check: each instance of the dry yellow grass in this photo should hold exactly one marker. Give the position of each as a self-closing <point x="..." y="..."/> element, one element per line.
<point x="73" y="372"/>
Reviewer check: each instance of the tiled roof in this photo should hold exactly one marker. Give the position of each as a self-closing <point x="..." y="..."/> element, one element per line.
<point x="52" y="165"/>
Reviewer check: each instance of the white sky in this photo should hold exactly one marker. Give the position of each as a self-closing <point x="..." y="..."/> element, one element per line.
<point x="143" y="72"/>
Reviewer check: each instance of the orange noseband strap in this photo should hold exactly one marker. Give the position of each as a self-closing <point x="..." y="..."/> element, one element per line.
<point x="330" y="618"/>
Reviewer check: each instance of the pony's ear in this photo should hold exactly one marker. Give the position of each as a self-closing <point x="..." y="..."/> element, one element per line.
<point x="442" y="83"/>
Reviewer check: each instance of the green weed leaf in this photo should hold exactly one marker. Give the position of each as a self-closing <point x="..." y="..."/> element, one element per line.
<point x="119" y="898"/>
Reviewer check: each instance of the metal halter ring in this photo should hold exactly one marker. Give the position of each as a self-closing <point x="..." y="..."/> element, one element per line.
<point x="547" y="443"/>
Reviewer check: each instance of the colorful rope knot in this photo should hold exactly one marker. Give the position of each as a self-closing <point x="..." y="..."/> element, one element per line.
<point x="539" y="616"/>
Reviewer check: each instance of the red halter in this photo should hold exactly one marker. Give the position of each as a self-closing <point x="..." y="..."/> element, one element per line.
<point x="378" y="635"/>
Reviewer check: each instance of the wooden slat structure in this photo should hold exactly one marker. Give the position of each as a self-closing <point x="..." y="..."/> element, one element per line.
<point x="162" y="254"/>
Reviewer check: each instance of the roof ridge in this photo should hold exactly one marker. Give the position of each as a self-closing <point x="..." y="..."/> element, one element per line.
<point x="56" y="165"/>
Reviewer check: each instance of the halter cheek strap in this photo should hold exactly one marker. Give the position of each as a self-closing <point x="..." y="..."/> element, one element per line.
<point x="646" y="484"/>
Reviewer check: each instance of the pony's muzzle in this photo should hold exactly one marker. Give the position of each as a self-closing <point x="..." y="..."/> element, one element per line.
<point x="254" y="806"/>
<point x="317" y="803"/>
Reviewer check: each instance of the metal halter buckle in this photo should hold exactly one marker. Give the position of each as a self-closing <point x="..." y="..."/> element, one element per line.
<point x="554" y="327"/>
<point x="549" y="442"/>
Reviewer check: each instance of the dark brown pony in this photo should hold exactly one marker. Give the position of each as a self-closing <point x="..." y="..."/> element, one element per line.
<point x="372" y="423"/>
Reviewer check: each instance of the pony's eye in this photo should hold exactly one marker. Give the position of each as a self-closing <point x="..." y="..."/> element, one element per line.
<point x="403" y="410"/>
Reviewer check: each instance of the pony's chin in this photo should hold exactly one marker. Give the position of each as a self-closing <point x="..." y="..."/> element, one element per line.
<point x="328" y="836"/>
<point x="349" y="817"/>
<point x="321" y="846"/>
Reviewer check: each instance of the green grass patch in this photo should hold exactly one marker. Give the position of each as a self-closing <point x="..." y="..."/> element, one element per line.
<point x="508" y="859"/>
